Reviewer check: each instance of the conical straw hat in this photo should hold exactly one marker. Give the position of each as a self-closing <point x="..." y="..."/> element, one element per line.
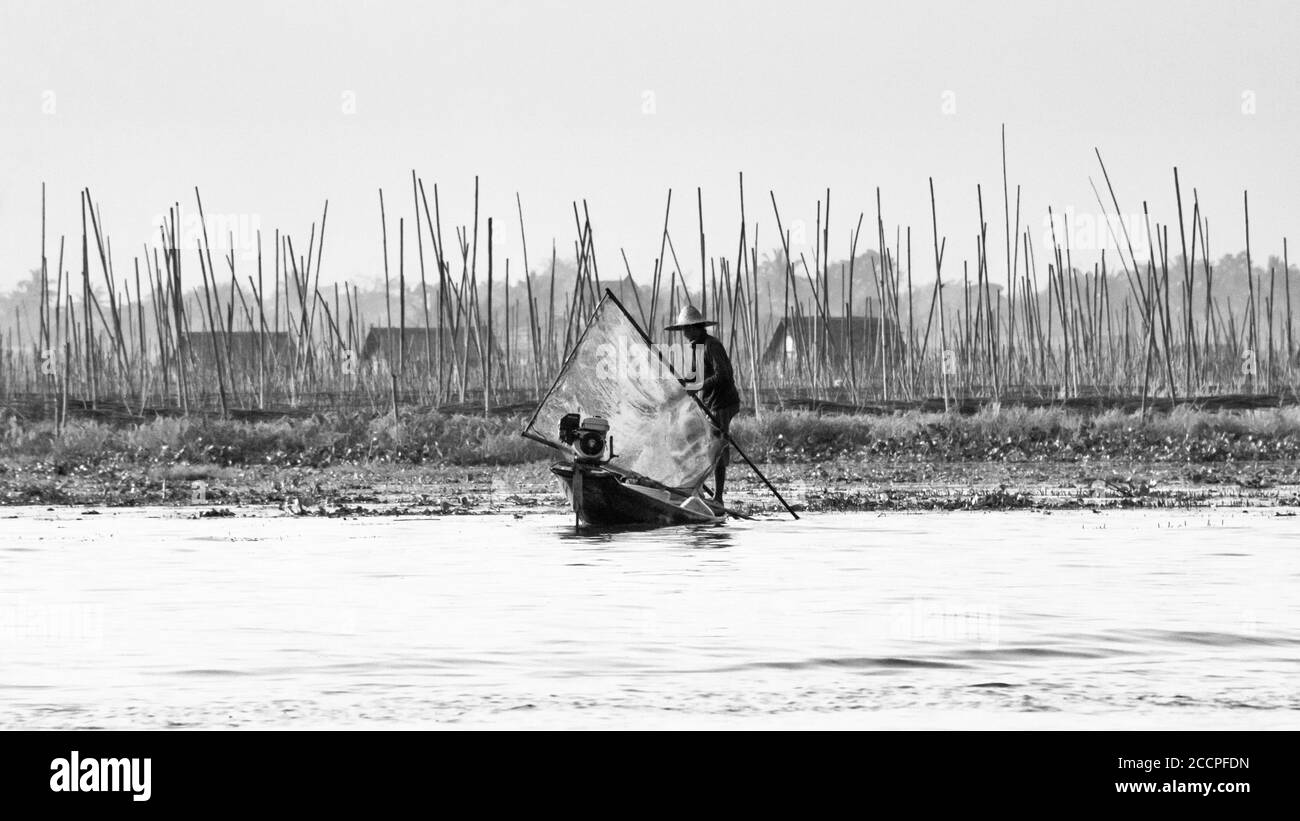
<point x="687" y="316"/>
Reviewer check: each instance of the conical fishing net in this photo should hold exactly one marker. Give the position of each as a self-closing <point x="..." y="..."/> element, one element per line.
<point x="658" y="430"/>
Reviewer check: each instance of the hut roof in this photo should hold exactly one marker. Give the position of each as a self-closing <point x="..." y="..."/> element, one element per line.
<point x="239" y="338"/>
<point x="417" y="342"/>
<point x="861" y="333"/>
<point x="239" y="343"/>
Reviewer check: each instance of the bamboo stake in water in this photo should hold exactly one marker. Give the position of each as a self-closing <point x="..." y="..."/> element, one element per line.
<point x="938" y="288"/>
<point x="401" y="297"/>
<point x="424" y="287"/>
<point x="1286" y="278"/>
<point x="1252" y="339"/>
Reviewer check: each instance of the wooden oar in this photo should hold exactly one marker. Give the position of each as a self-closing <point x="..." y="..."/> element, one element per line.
<point x="725" y="509"/>
<point x="752" y="466"/>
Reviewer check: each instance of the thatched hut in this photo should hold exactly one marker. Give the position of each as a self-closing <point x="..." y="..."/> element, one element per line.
<point x="802" y="338"/>
<point x="419" y="347"/>
<point x="244" y="346"/>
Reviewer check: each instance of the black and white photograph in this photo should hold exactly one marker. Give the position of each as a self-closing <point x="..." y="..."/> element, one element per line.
<point x="922" y="367"/>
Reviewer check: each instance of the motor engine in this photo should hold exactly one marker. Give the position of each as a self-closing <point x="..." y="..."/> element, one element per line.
<point x="589" y="438"/>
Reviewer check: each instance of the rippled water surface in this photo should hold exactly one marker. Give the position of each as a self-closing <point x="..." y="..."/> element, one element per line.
<point x="1118" y="619"/>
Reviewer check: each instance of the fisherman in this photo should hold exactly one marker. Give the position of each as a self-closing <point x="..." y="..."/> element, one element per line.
<point x="713" y="383"/>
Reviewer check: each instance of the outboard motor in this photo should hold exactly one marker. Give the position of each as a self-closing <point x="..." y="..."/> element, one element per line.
<point x="589" y="438"/>
<point x="569" y="424"/>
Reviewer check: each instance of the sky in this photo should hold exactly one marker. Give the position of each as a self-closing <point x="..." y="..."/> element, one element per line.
<point x="271" y="109"/>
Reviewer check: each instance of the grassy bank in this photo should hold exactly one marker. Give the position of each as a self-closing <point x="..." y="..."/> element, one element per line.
<point x="430" y="438"/>
<point x="1017" y="434"/>
<point x="443" y="464"/>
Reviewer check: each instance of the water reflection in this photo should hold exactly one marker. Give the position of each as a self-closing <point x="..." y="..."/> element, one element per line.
<point x="707" y="537"/>
<point x="588" y="534"/>
<point x="711" y="537"/>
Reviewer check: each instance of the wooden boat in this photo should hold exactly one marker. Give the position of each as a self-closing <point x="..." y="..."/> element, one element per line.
<point x="605" y="497"/>
<point x="615" y="385"/>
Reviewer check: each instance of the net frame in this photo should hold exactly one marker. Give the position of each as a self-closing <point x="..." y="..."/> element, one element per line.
<point x="665" y="439"/>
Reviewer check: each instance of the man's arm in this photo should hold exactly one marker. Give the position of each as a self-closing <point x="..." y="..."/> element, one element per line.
<point x="719" y="366"/>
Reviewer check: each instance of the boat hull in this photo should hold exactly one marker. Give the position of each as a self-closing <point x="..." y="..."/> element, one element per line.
<point x="603" y="498"/>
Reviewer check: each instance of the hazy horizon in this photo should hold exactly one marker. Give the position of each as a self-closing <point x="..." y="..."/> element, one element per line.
<point x="273" y="111"/>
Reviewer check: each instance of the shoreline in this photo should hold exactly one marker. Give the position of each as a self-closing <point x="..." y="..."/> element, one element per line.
<point x="843" y="484"/>
<point x="432" y="463"/>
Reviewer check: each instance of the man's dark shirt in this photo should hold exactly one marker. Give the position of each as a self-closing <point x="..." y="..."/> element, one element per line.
<point x="718" y="389"/>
